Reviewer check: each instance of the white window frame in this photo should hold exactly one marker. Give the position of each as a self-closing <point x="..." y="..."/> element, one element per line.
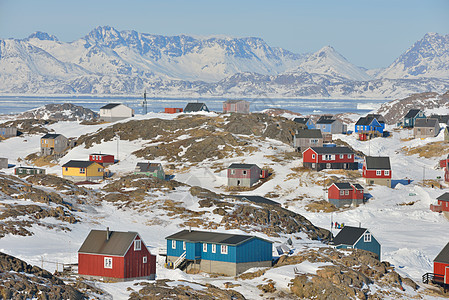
<point x="387" y="172"/>
<point x="183" y="245"/>
<point x="313" y="156"/>
<point x="378" y="172"/>
<point x="173" y="244"/>
<point x="367" y="237"/>
<point x="342" y="193"/>
<point x="144" y="259"/>
<point x="349" y="155"/>
<point x="204" y="247"/>
<point x="232" y="172"/>
<point x="224" y="249"/>
<point x="82" y="170"/>
<point x="245" y="172"/>
<point x="214" y="248"/>
<point x="137" y="245"/>
<point x="347" y="192"/>
<point x="108" y="262"/>
<point x="342" y="156"/>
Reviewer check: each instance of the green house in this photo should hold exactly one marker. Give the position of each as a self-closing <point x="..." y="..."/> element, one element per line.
<point x="150" y="169"/>
<point x="28" y="171"/>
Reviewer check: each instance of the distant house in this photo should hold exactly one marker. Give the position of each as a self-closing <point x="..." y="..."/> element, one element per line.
<point x="308" y="122"/>
<point x="357" y="238"/>
<point x="319" y="158"/>
<point x="446" y="134"/>
<point x="327" y="124"/>
<point x="172" y="110"/>
<point x="218" y="253"/>
<point x="345" y="194"/>
<point x="446" y="171"/>
<point x="3" y="163"/>
<point x="442" y="119"/>
<point x="425" y="128"/>
<point x="54" y="144"/>
<point x="369" y="125"/>
<point x="443" y="203"/>
<point x="28" y="171"/>
<point x="377" y="170"/>
<point x="245" y="175"/>
<point x="115" y="111"/>
<point x="114" y="254"/>
<point x="441" y="266"/>
<point x="7" y="132"/>
<point x="150" y="169"/>
<point x="103" y="159"/>
<point x="80" y="170"/>
<point x="236" y="106"/>
<point x="257" y="199"/>
<point x="196" y="107"/>
<point x="306" y="138"/>
<point x="411" y="116"/>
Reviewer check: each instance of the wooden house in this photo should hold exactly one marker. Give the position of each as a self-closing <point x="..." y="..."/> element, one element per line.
<point x="196" y="107"/>
<point x="103" y="159"/>
<point x="370" y="126"/>
<point x="440" y="273"/>
<point x="319" y="158"/>
<point x="307" y="122"/>
<point x="443" y="204"/>
<point x="80" y="170"/>
<point x="357" y="238"/>
<point x="7" y="132"/>
<point x="327" y="124"/>
<point x="245" y="175"/>
<point x="377" y="170"/>
<point x="3" y="163"/>
<point x="306" y="138"/>
<point x="114" y="254"/>
<point x="425" y="128"/>
<point x="236" y="106"/>
<point x="173" y="110"/>
<point x="218" y="253"/>
<point x="150" y="169"/>
<point x="411" y="116"/>
<point x="345" y="194"/>
<point x="54" y="144"/>
<point x="115" y="111"/>
<point x="28" y="171"/>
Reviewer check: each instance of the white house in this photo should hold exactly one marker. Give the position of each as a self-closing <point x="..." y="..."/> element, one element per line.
<point x="115" y="111"/>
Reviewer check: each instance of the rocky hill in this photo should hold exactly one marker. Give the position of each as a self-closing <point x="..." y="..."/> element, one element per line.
<point x="60" y="112"/>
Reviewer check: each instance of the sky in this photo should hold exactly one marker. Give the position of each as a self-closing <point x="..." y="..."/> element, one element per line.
<point x="370" y="34"/>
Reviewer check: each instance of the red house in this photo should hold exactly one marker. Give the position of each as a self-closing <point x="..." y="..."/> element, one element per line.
<point x="343" y="193"/>
<point x="245" y="175"/>
<point x="443" y="204"/>
<point x="115" y="254"/>
<point x="377" y="170"/>
<point x="319" y="158"/>
<point x="172" y="110"/>
<point x="440" y="273"/>
<point x="104" y="159"/>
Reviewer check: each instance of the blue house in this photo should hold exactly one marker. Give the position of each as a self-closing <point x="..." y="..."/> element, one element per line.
<point x="369" y="125"/>
<point x="218" y="253"/>
<point x="357" y="238"/>
<point x="411" y="116"/>
<point x="305" y="121"/>
<point x="327" y="124"/>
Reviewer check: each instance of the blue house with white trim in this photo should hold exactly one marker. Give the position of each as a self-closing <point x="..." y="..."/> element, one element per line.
<point x="327" y="124"/>
<point x="357" y="238"/>
<point x="308" y="122"/>
<point x="218" y="253"/>
<point x="369" y="125"/>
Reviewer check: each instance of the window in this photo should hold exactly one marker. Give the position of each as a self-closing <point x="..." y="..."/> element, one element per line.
<point x="347" y="192"/>
<point x="183" y="245"/>
<point x="144" y="259"/>
<point x="387" y="172"/>
<point x="233" y="172"/>
<point x="244" y="172"/>
<point x="214" y="248"/>
<point x="342" y="193"/>
<point x="367" y="237"/>
<point x="328" y="166"/>
<point x="173" y="244"/>
<point x="349" y="155"/>
<point x="224" y="249"/>
<point x="137" y="245"/>
<point x="100" y="170"/>
<point x="204" y="247"/>
<point x="313" y="156"/>
<point x="342" y="156"/>
<point x="66" y="169"/>
<point x="313" y="165"/>
<point x="108" y="262"/>
<point x="82" y="170"/>
<point x="378" y="172"/>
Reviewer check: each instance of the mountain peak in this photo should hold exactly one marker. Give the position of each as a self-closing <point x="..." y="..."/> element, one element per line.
<point x="43" y="36"/>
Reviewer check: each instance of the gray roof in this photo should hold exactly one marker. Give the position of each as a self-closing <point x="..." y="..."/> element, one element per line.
<point x="348" y="235"/>
<point x="234" y="101"/>
<point x="332" y="150"/>
<point x="441" y="118"/>
<point x="241" y="166"/>
<point x="78" y="163"/>
<point x="412" y="113"/>
<point x="343" y="185"/>
<point x="309" y="133"/>
<point x="210" y="237"/>
<point x="110" y="105"/>
<point x="444" y="197"/>
<point x="378" y="117"/>
<point x="377" y="163"/>
<point x="426" y="122"/>
<point x="192" y="107"/>
<point x="301" y="120"/>
<point x="257" y="199"/>
<point x="326" y="121"/>
<point x="117" y="244"/>
<point x="357" y="186"/>
<point x="50" y="136"/>
<point x="365" y="121"/>
<point x="148" y="167"/>
<point x="443" y="256"/>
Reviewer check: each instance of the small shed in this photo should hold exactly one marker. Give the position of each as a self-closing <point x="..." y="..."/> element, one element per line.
<point x="3" y="163"/>
<point x="28" y="171"/>
<point x="196" y="107"/>
<point x="104" y="159"/>
<point x="236" y="106"/>
<point x="7" y="132"/>
<point x="357" y="238"/>
<point x="245" y="175"/>
<point x="115" y="111"/>
<point x="425" y="128"/>
<point x="172" y="110"/>
<point x="150" y="169"/>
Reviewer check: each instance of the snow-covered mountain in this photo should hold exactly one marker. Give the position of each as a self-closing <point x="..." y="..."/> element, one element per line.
<point x="428" y="57"/>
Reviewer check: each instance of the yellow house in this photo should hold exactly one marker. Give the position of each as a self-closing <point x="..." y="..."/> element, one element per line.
<point x="80" y="170"/>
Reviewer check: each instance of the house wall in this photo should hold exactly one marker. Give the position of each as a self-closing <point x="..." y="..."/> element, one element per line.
<point x="254" y="250"/>
<point x="172" y="110"/>
<point x="304" y="143"/>
<point x="354" y="197"/>
<point x="372" y="246"/>
<point x="7" y="132"/>
<point x="3" y="163"/>
<point x="378" y="181"/>
<point x="54" y="146"/>
<point x="93" y="265"/>
<point x="26" y="171"/>
<point x="373" y="173"/>
<point x="108" y="159"/>
<point x="440" y="269"/>
<point x="310" y="124"/>
<point x="345" y="202"/>
<point x="134" y="265"/>
<point x="246" y="180"/>
<point x="119" y="112"/>
<point x="424" y="132"/>
<point x="444" y="205"/>
<point x="410" y="122"/>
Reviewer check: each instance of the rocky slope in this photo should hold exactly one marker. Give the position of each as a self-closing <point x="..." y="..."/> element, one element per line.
<point x="60" y="112"/>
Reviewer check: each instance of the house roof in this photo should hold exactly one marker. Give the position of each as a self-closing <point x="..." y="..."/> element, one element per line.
<point x="441" y="118"/>
<point x="309" y="133"/>
<point x="148" y="167"/>
<point x="365" y="121"/>
<point x="325" y="121"/>
<point x="443" y="256"/>
<point x="234" y="101"/>
<point x="412" y="113"/>
<point x="301" y="120"/>
<point x="444" y="197"/>
<point x="426" y="122"/>
<point x="194" y="106"/>
<point x="117" y="244"/>
<point x="257" y="199"/>
<point x="378" y="117"/>
<point x="348" y="235"/>
<point x="357" y="186"/>
<point x="332" y="150"/>
<point x="50" y="136"/>
<point x="377" y="163"/>
<point x="241" y="166"/>
<point x="78" y="164"/>
<point x="110" y="105"/>
<point x="210" y="237"/>
<point x="343" y="185"/>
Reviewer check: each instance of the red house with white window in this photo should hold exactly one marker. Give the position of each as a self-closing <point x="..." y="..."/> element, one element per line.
<point x="443" y="204"/>
<point x="319" y="158"/>
<point x="115" y="254"/>
<point x="440" y="273"/>
<point x="377" y="170"/>
<point x="104" y="159"/>
<point x="342" y="193"/>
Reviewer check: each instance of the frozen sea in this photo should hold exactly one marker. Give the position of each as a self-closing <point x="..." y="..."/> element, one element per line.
<point x="19" y="104"/>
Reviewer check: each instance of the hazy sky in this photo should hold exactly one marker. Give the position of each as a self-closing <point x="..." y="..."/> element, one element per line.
<point x="368" y="33"/>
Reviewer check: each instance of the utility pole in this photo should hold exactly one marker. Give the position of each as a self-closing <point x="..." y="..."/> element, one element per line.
<point x="118" y="138"/>
<point x="144" y="102"/>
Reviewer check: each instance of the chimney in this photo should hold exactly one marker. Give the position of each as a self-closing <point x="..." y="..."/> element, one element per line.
<point x="360" y="224"/>
<point x="107" y="233"/>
